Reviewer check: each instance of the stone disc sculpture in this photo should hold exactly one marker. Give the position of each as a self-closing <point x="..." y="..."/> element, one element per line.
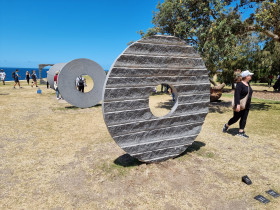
<point x="67" y="82"/>
<point x="133" y="76"/>
<point x="52" y="71"/>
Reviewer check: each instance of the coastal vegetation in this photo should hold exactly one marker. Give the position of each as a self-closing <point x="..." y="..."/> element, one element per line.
<point x="228" y="34"/>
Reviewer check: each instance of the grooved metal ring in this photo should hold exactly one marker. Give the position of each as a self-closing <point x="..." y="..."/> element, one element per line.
<point x="141" y="67"/>
<point x="67" y="82"/>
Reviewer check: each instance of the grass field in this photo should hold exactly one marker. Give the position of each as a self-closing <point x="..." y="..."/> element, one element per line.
<point x="56" y="156"/>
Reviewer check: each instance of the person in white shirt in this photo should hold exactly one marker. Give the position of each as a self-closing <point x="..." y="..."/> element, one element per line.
<point x="2" y="76"/>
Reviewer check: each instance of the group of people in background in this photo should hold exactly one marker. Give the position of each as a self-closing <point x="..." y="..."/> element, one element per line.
<point x="33" y="76"/>
<point x="16" y="76"/>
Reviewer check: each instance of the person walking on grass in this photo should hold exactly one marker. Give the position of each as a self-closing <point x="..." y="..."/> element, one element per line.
<point x="27" y="77"/>
<point x="34" y="78"/>
<point x="2" y="76"/>
<point x="55" y="85"/>
<point x="17" y="79"/>
<point x="241" y="104"/>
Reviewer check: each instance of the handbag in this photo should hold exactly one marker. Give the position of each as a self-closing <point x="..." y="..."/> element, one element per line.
<point x="55" y="86"/>
<point x="243" y="101"/>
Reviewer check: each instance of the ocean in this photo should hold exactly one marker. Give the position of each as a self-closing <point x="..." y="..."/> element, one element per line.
<point x="22" y="72"/>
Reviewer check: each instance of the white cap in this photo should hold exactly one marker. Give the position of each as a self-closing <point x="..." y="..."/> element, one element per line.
<point x="246" y="73"/>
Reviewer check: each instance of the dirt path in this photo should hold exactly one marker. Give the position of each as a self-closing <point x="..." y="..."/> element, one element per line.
<point x="55" y="156"/>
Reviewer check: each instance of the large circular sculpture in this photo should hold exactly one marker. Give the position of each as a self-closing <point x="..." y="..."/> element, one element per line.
<point x="67" y="82"/>
<point x="52" y="71"/>
<point x="142" y="66"/>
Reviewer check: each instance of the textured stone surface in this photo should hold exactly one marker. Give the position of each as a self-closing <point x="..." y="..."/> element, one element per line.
<point x="67" y="82"/>
<point x="51" y="73"/>
<point x="141" y="67"/>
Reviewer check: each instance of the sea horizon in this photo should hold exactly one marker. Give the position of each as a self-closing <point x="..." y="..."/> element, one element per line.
<point x="22" y="72"/>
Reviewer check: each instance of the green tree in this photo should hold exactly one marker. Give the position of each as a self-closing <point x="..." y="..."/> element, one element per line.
<point x="217" y="30"/>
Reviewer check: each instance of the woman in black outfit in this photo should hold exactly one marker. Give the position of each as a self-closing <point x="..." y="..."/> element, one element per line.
<point x="27" y="77"/>
<point x="241" y="92"/>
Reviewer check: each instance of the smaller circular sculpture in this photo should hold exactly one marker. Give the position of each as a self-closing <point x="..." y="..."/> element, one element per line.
<point x="51" y="73"/>
<point x="67" y="82"/>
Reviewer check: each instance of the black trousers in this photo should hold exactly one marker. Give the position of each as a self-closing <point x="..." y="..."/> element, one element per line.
<point x="242" y="115"/>
<point x="81" y="88"/>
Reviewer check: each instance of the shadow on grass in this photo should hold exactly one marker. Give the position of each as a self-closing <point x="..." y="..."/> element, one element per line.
<point x="71" y="107"/>
<point x="74" y="107"/>
<point x="194" y="147"/>
<point x="219" y="106"/>
<point x="222" y="106"/>
<point x="166" y="105"/>
<point x="97" y="105"/>
<point x="260" y="106"/>
<point x="233" y="131"/>
<point x="127" y="161"/>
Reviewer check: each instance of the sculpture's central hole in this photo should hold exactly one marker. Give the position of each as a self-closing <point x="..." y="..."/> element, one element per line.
<point x="84" y="83"/>
<point x="162" y="100"/>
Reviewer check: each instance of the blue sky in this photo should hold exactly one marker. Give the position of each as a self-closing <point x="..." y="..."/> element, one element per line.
<point x="58" y="31"/>
<point x="55" y="31"/>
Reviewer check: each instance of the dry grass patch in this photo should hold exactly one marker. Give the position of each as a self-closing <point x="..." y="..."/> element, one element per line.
<point x="53" y="156"/>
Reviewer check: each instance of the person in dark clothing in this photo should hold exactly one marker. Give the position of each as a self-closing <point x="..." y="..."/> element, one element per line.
<point x="17" y="79"/>
<point x="276" y="86"/>
<point x="241" y="91"/>
<point x="80" y="83"/>
<point x="34" y="78"/>
<point x="48" y="82"/>
<point x="27" y="77"/>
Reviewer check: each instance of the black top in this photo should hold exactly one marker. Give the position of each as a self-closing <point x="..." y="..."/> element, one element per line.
<point x="241" y="91"/>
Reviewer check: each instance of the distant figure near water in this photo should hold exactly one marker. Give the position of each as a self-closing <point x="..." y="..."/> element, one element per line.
<point x="27" y="77"/>
<point x="34" y="78"/>
<point x="2" y="76"/>
<point x="16" y="78"/>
